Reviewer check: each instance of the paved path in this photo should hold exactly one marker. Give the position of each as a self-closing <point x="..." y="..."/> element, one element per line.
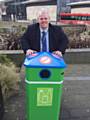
<point x="77" y="70"/>
<point x="75" y="98"/>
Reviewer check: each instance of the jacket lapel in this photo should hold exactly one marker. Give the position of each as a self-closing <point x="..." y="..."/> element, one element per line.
<point x="51" y="35"/>
<point x="38" y="38"/>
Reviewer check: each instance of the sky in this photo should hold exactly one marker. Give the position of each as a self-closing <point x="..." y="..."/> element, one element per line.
<point x="2" y="0"/>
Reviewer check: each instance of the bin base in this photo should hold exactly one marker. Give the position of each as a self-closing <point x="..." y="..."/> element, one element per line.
<point x="43" y="101"/>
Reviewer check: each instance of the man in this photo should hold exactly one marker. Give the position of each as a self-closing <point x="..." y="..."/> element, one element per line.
<point x="53" y="36"/>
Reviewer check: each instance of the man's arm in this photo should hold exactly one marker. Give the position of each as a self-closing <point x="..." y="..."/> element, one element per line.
<point x="25" y="41"/>
<point x="63" y="41"/>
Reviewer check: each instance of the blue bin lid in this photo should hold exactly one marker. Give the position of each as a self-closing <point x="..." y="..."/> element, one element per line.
<point x="44" y="59"/>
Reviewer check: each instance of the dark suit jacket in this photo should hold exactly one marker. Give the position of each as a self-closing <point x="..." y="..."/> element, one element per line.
<point x="31" y="38"/>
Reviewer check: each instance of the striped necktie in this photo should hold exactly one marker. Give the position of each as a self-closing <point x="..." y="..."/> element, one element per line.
<point x="44" y="42"/>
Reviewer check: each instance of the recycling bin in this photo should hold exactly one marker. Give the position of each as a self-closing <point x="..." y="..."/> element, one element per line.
<point x="44" y="82"/>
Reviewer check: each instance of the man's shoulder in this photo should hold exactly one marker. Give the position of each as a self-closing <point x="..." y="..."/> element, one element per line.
<point x="56" y="27"/>
<point x="33" y="26"/>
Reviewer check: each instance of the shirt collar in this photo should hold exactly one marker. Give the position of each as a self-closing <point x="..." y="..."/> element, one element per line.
<point x="45" y="30"/>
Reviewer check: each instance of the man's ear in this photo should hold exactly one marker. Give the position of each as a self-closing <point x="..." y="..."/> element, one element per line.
<point x="38" y="19"/>
<point x="48" y="18"/>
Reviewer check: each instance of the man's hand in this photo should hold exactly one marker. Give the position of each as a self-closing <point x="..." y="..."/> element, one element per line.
<point x="58" y="53"/>
<point x="30" y="52"/>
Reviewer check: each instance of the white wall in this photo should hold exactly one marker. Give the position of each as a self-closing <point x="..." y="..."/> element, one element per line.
<point x="80" y="10"/>
<point x="33" y="11"/>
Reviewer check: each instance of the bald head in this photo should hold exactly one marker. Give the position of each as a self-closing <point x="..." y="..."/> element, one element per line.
<point x="43" y="18"/>
<point x="42" y="12"/>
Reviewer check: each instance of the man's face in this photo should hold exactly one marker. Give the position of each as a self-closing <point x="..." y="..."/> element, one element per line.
<point x="43" y="20"/>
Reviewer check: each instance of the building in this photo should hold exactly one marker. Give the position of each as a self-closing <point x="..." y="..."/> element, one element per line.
<point x="32" y="9"/>
<point x="80" y="7"/>
<point x="17" y="9"/>
<point x="14" y="11"/>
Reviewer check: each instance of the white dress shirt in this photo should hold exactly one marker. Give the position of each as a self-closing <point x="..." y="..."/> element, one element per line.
<point x="47" y="38"/>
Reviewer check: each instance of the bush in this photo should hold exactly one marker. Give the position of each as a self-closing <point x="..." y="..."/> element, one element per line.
<point x="89" y="32"/>
<point x="4" y="59"/>
<point x="9" y="77"/>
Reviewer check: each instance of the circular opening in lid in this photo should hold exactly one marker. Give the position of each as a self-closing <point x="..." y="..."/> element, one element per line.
<point x="45" y="73"/>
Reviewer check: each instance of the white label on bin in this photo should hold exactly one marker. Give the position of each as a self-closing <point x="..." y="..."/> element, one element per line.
<point x="44" y="96"/>
<point x="45" y="60"/>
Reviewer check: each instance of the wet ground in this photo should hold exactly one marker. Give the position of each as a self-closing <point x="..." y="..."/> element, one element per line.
<point x="75" y="103"/>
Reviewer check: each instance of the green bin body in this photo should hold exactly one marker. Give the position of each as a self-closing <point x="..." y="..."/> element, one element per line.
<point x="44" y="82"/>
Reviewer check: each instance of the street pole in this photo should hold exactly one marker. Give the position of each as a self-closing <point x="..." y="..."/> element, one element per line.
<point x="15" y="11"/>
<point x="59" y="8"/>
